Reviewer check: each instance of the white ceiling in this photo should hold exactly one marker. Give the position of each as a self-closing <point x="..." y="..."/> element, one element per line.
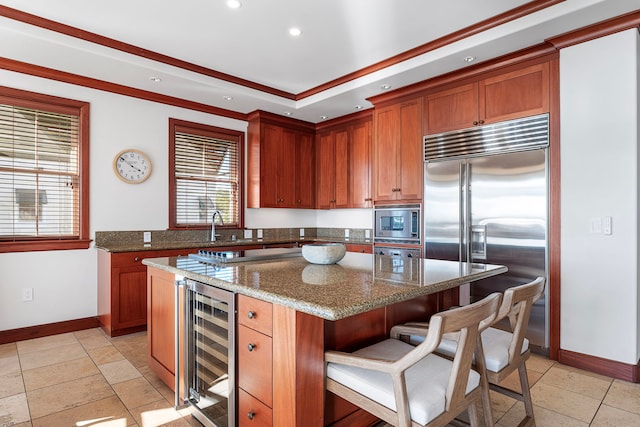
<point x="339" y="37"/>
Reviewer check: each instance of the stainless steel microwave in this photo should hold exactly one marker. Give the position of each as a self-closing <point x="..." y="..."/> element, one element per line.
<point x="397" y="223"/>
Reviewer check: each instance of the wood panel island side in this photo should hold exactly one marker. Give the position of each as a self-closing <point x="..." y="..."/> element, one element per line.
<point x="302" y="310"/>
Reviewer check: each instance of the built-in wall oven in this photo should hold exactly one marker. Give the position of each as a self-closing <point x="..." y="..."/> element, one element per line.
<point x="397" y="224"/>
<point x="205" y="353"/>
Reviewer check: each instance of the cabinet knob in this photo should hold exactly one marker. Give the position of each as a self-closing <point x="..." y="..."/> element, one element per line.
<point x="368" y="199"/>
<point x="136" y="259"/>
<point x="298" y="201"/>
<point x="250" y="347"/>
<point x="251" y="414"/>
<point x="481" y="122"/>
<point x="251" y="315"/>
<point x="475" y="123"/>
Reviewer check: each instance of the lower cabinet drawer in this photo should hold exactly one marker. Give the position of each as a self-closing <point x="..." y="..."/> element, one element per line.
<point x="255" y="361"/>
<point x="252" y="412"/>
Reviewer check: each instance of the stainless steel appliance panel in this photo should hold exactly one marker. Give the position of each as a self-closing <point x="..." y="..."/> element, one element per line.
<point x="492" y="209"/>
<point x="397" y="223"/>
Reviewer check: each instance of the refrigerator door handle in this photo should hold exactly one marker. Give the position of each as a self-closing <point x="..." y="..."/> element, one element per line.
<point x="478" y="242"/>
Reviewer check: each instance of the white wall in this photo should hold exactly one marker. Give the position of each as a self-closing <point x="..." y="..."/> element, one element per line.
<point x="599" y="177"/>
<point x="65" y="282"/>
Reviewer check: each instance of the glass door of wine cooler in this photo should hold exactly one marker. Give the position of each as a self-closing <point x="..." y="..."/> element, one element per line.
<point x="209" y="353"/>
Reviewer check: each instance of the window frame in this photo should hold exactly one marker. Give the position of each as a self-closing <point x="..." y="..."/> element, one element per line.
<point x="176" y="125"/>
<point x="38" y="101"/>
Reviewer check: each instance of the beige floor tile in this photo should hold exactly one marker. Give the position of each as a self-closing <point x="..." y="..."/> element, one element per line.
<point x="157" y="383"/>
<point x="624" y="395"/>
<point x="59" y="373"/>
<point x="512" y="382"/>
<point x="160" y="413"/>
<point x="92" y="338"/>
<point x="11" y="384"/>
<point x="9" y="365"/>
<point x="544" y="418"/>
<point x="106" y="354"/>
<point x="45" y="343"/>
<point x="539" y="363"/>
<point x="137" y="392"/>
<point x="608" y="416"/>
<point x="14" y="409"/>
<point x="108" y="412"/>
<point x="133" y="348"/>
<point x="51" y="356"/>
<point x="117" y="372"/>
<point x="571" y="379"/>
<point x="49" y="400"/>
<point x="564" y="402"/>
<point x="500" y="404"/>
<point x="9" y="349"/>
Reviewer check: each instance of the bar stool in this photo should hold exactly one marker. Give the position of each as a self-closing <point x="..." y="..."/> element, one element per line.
<point x="504" y="351"/>
<point x="410" y="386"/>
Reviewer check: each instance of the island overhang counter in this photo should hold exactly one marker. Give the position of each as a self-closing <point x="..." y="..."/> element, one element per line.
<point x="314" y="308"/>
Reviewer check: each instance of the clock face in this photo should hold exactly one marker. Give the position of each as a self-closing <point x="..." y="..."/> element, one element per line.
<point x="132" y="166"/>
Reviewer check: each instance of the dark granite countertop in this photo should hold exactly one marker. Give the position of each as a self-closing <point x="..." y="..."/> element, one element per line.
<point x="356" y="284"/>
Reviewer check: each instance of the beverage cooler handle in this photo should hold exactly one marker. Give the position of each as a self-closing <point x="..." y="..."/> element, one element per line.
<point x="180" y="289"/>
<point x="478" y="242"/>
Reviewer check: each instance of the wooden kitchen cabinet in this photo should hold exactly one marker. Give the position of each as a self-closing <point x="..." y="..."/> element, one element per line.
<point x="332" y="154"/>
<point x="344" y="163"/>
<point x="281" y="164"/>
<point x="255" y="361"/>
<point x="397" y="152"/>
<point x="518" y="93"/>
<point x="122" y="289"/>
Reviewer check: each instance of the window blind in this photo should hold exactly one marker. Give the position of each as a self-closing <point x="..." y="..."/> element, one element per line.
<point x="206" y="179"/>
<point x="39" y="174"/>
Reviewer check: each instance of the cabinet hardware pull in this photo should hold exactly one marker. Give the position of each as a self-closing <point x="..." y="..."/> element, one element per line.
<point x="368" y="199"/>
<point x="251" y="315"/>
<point x="481" y="122"/>
<point x="251" y="346"/>
<point x="136" y="259"/>
<point x="251" y="414"/>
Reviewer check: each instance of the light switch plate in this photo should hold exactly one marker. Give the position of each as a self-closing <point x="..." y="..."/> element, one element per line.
<point x="248" y="234"/>
<point x="606" y="225"/>
<point x="596" y="225"/>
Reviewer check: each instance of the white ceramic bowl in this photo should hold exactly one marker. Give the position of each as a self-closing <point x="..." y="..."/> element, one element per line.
<point x="324" y="253"/>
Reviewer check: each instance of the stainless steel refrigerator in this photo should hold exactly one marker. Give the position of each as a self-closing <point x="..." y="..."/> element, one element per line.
<point x="486" y="200"/>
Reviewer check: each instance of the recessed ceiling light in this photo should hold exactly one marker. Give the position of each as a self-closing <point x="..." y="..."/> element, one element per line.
<point x="227" y="98"/>
<point x="469" y="58"/>
<point x="294" y="31"/>
<point x="385" y="87"/>
<point x="233" y="4"/>
<point x="324" y="117"/>
<point x="287" y="113"/>
<point x="358" y="107"/>
<point x="155" y="79"/>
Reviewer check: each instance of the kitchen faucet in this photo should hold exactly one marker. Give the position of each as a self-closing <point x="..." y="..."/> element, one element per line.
<point x="213" y="224"/>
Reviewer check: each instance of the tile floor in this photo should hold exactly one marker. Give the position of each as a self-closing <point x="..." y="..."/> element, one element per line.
<point x="88" y="379"/>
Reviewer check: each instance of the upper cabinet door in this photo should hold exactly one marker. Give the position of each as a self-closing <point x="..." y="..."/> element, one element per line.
<point x="305" y="171"/>
<point x="325" y="176"/>
<point x="387" y="137"/>
<point x="452" y="109"/>
<point x="520" y="93"/>
<point x="341" y="159"/>
<point x="410" y="156"/>
<point x="360" y="166"/>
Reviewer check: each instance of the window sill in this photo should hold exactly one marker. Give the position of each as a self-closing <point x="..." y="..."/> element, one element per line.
<point x="43" y="245"/>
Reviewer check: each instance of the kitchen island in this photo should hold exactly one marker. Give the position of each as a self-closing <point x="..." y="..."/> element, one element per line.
<point x="314" y="308"/>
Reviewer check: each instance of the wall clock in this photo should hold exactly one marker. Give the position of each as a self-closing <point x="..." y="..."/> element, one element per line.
<point x="132" y="166"/>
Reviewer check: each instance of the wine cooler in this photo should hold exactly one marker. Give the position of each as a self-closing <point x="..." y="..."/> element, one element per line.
<point x="205" y="353"/>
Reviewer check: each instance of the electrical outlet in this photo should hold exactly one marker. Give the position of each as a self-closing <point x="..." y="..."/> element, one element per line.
<point x="248" y="234"/>
<point x="27" y="294"/>
<point x="606" y="225"/>
<point x="346" y="233"/>
<point x="367" y="234"/>
<point x="259" y="233"/>
<point x="146" y="237"/>
<point x="302" y="232"/>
